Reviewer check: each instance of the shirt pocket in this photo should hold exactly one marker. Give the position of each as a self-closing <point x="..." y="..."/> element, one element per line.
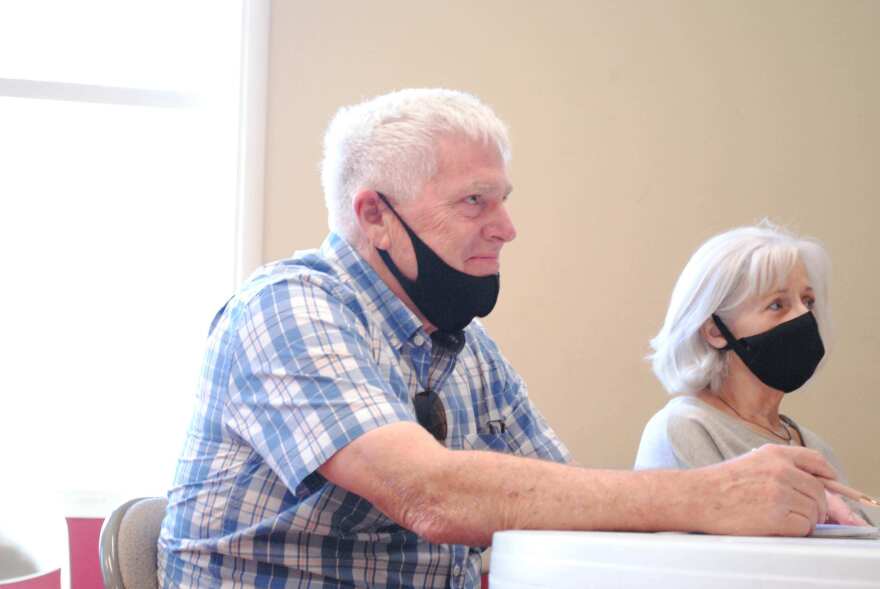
<point x="480" y="412"/>
<point x="491" y="433"/>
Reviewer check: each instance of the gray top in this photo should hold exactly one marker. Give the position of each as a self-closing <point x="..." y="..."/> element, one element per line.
<point x="689" y="433"/>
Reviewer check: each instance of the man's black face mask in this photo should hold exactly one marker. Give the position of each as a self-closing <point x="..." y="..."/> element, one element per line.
<point x="783" y="358"/>
<point x="448" y="298"/>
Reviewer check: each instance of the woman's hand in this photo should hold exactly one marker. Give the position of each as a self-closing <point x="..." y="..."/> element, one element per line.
<point x="841" y="513"/>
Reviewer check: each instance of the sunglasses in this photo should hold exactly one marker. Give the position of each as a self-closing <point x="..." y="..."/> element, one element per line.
<point x="431" y="414"/>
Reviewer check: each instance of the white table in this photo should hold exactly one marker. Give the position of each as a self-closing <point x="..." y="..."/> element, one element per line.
<point x="563" y="560"/>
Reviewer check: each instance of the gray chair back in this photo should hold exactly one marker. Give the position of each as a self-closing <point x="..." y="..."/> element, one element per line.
<point x="128" y="544"/>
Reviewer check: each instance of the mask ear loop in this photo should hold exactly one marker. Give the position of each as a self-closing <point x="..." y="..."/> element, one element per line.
<point x="386" y="257"/>
<point x="732" y="342"/>
<point x="384" y="199"/>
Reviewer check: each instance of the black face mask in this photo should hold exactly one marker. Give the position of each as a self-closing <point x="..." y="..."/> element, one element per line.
<point x="783" y="358"/>
<point x="446" y="297"/>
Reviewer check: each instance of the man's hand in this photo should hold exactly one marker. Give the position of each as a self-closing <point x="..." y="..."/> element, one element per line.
<point x="772" y="490"/>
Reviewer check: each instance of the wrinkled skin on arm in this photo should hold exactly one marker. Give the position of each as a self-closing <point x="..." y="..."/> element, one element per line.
<point x="463" y="497"/>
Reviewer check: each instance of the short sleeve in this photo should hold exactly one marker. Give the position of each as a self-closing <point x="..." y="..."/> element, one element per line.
<point x="691" y="442"/>
<point x="673" y="440"/>
<point x="304" y="382"/>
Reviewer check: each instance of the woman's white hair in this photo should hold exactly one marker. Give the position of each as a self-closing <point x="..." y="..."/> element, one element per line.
<point x="389" y="144"/>
<point x="725" y="272"/>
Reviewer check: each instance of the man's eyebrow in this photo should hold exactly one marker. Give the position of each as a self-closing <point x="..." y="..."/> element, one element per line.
<point x="479" y="186"/>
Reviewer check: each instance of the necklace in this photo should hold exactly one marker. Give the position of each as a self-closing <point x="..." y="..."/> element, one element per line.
<point x="786" y="438"/>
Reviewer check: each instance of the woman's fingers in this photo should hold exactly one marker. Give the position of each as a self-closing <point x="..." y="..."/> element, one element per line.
<point x="839" y="512"/>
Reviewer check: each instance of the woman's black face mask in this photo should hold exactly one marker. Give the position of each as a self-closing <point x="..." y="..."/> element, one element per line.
<point x="448" y="298"/>
<point x="783" y="358"/>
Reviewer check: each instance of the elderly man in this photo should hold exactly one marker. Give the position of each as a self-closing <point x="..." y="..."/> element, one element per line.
<point x="356" y="427"/>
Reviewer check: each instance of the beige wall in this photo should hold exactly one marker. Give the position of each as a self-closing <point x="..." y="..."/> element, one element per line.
<point x="639" y="130"/>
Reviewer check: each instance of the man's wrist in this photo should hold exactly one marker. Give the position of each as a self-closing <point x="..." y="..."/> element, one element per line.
<point x="676" y="507"/>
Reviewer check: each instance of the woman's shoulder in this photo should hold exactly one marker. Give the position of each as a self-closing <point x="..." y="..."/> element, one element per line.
<point x="682" y="411"/>
<point x="689" y="417"/>
<point x="685" y="408"/>
<point x="683" y="426"/>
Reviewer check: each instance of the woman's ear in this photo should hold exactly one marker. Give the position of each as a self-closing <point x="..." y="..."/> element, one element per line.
<point x="368" y="211"/>
<point x="712" y="335"/>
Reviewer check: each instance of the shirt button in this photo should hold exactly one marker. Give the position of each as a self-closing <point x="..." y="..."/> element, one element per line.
<point x="419" y="341"/>
<point x="456" y="570"/>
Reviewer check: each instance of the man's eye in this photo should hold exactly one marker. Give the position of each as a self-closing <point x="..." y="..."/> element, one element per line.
<point x="473" y="199"/>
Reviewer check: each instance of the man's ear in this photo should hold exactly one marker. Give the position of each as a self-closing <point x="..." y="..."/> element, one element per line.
<point x="369" y="212"/>
<point x="712" y="335"/>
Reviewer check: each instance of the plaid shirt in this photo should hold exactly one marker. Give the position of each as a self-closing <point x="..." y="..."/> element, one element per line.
<point x="311" y="353"/>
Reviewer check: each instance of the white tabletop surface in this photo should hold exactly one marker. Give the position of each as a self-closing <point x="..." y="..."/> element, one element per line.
<point x="528" y="559"/>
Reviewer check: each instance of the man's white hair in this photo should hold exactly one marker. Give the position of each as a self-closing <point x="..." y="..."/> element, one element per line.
<point x="725" y="272"/>
<point x="389" y="144"/>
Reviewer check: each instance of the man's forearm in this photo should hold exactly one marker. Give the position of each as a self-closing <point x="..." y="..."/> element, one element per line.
<point x="473" y="494"/>
<point x="463" y="497"/>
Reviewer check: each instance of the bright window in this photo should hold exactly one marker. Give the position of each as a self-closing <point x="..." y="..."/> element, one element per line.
<point x="126" y="194"/>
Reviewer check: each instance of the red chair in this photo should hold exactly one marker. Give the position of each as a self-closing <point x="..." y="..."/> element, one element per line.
<point x="50" y="580"/>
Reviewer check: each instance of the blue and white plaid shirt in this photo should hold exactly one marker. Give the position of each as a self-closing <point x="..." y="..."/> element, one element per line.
<point x="311" y="353"/>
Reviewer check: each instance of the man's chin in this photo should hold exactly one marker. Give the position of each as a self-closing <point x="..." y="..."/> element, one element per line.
<point x="482" y="266"/>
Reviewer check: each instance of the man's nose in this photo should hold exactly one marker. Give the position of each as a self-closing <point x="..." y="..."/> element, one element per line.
<point x="500" y="225"/>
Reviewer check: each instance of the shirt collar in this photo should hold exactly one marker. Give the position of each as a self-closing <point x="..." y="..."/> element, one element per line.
<point x="400" y="324"/>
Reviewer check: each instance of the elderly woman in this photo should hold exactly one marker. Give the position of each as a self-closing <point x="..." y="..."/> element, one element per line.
<point x="745" y="327"/>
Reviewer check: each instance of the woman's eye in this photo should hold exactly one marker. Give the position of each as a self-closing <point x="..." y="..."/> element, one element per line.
<point x="775" y="305"/>
<point x="809" y="302"/>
